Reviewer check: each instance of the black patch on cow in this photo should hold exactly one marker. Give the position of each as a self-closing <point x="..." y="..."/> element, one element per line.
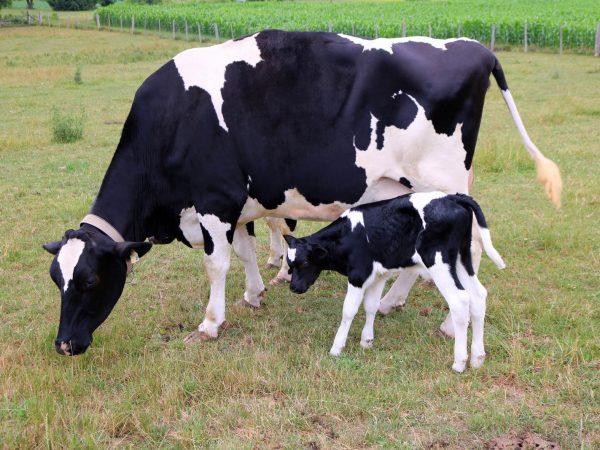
<point x="209" y="245"/>
<point x="405" y="182"/>
<point x="291" y="223"/>
<point x="250" y="228"/>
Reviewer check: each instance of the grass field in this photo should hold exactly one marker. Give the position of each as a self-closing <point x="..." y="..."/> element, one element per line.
<point x="268" y="382"/>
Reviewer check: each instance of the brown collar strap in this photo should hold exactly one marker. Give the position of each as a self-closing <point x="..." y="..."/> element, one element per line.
<point x="109" y="230"/>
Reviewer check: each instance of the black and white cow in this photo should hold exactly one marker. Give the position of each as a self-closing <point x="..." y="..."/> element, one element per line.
<point x="430" y="231"/>
<point x="283" y="124"/>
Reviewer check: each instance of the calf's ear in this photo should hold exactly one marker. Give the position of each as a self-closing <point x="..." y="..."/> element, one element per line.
<point x="124" y="249"/>
<point x="291" y="240"/>
<point x="52" y="247"/>
<point x="319" y="252"/>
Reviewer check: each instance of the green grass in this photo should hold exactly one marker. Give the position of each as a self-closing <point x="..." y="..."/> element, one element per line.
<point x="268" y="381"/>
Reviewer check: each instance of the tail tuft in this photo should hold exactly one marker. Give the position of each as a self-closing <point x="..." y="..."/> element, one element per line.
<point x="548" y="175"/>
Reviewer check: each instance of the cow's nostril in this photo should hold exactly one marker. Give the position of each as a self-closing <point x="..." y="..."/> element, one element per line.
<point x="64" y="348"/>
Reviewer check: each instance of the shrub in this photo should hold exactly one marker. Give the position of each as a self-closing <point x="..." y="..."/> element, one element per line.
<point x="72" y="5"/>
<point x="67" y="127"/>
<point x="77" y="77"/>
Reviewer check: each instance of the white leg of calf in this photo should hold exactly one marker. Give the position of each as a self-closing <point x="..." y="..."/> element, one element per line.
<point x="477" y="306"/>
<point x="458" y="302"/>
<point x="283" y="275"/>
<point x="372" y="296"/>
<point x="216" y="265"/>
<point x="244" y="246"/>
<point x="276" y="250"/>
<point x="352" y="302"/>
<point x="398" y="293"/>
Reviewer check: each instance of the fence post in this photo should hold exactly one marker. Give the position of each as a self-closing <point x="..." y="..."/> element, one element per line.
<point x="330" y="27"/>
<point x="560" y="36"/>
<point x="493" y="38"/>
<point x="132" y="24"/>
<point x="98" y="21"/>
<point x="597" y="47"/>
<point x="109" y="28"/>
<point x="376" y="31"/>
<point x="458" y="30"/>
<point x="353" y="30"/>
<point x="403" y="27"/>
<point x="199" y="32"/>
<point x="429" y="26"/>
<point x="231" y="30"/>
<point x="145" y="24"/>
<point x="159" y="25"/>
<point x="121" y="18"/>
<point x="39" y="18"/>
<point x="28" y="18"/>
<point x="525" y="38"/>
<point x="49" y="22"/>
<point x="186" y="30"/>
<point x="173" y="30"/>
<point x="217" y="33"/>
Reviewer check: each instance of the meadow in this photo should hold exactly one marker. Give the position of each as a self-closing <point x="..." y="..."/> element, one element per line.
<point x="269" y="382"/>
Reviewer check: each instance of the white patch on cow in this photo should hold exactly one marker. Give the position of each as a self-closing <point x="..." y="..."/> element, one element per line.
<point x="205" y="67"/>
<point x="68" y="257"/>
<point x="355" y="217"/>
<point x="422" y="199"/>
<point x="386" y="44"/>
<point x="291" y="253"/>
<point x="190" y="227"/>
<point x="431" y="161"/>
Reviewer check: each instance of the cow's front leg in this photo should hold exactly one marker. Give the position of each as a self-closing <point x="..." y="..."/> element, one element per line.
<point x="244" y="245"/>
<point x="398" y="293"/>
<point x="216" y="264"/>
<point x="354" y="297"/>
<point x="372" y="296"/>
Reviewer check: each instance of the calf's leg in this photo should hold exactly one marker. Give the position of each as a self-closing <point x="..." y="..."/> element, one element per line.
<point x="458" y="302"/>
<point x="354" y="296"/>
<point x="371" y="302"/>
<point x="477" y="307"/>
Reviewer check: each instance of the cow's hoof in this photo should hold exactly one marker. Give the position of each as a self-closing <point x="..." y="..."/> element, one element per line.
<point x="459" y="366"/>
<point x="278" y="280"/>
<point x="367" y="343"/>
<point x="253" y="304"/>
<point x="201" y="336"/>
<point x="246" y="304"/>
<point x="386" y="310"/>
<point x="272" y="266"/>
<point x="477" y="361"/>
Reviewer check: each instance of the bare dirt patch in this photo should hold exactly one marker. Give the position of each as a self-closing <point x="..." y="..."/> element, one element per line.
<point x="526" y="440"/>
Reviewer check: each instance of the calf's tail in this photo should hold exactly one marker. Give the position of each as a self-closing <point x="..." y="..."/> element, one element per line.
<point x="486" y="237"/>
<point x="548" y="173"/>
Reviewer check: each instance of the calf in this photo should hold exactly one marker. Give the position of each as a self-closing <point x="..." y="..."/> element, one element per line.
<point x="422" y="231"/>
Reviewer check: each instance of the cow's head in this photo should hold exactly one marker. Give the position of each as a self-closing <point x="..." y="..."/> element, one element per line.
<point x="90" y="270"/>
<point x="305" y="259"/>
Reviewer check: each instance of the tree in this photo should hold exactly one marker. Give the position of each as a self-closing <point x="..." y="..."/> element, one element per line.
<point x="29" y="4"/>
<point x="5" y="3"/>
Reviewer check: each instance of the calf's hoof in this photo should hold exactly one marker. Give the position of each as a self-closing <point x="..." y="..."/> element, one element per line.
<point x="271" y="265"/>
<point x="367" y="343"/>
<point x="335" y="351"/>
<point x="447" y="330"/>
<point x="477" y="361"/>
<point x="459" y="366"/>
<point x="205" y="335"/>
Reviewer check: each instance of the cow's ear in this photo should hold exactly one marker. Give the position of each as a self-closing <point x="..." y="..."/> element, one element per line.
<point x="52" y="247"/>
<point x="319" y="252"/>
<point x="291" y="240"/>
<point x="124" y="249"/>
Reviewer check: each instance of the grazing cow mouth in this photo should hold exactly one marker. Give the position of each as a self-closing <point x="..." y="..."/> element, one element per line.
<point x="70" y="348"/>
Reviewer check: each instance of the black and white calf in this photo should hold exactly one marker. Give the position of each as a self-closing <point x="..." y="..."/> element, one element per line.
<point x="430" y="231"/>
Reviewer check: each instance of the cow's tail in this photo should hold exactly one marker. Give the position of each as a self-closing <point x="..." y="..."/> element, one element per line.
<point x="548" y="173"/>
<point x="486" y="237"/>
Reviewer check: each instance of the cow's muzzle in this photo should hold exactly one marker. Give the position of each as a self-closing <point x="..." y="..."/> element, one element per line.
<point x="70" y="348"/>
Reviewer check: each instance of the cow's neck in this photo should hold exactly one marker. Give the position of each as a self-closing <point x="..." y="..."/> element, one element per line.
<point x="120" y="200"/>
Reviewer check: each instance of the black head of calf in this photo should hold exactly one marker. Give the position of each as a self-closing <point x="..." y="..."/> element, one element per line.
<point x="306" y="259"/>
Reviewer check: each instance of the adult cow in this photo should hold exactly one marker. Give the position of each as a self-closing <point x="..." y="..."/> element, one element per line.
<point x="297" y="125"/>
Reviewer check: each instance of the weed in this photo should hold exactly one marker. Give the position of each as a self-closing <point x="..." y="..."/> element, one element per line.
<point x="77" y="77"/>
<point x="67" y="127"/>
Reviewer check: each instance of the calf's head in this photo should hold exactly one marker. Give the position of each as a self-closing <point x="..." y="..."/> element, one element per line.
<point x="89" y="269"/>
<point x="306" y="261"/>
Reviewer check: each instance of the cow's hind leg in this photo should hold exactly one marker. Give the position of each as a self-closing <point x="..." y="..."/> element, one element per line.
<point x="398" y="293"/>
<point x="458" y="302"/>
<point x="371" y="302"/>
<point x="352" y="302"/>
<point x="216" y="263"/>
<point x="276" y="250"/>
<point x="244" y="245"/>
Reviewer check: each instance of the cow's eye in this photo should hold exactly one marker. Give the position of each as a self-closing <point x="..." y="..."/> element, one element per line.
<point x="90" y="282"/>
<point x="304" y="264"/>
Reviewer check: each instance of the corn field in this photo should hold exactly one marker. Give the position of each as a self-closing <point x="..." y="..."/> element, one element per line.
<point x="545" y="19"/>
